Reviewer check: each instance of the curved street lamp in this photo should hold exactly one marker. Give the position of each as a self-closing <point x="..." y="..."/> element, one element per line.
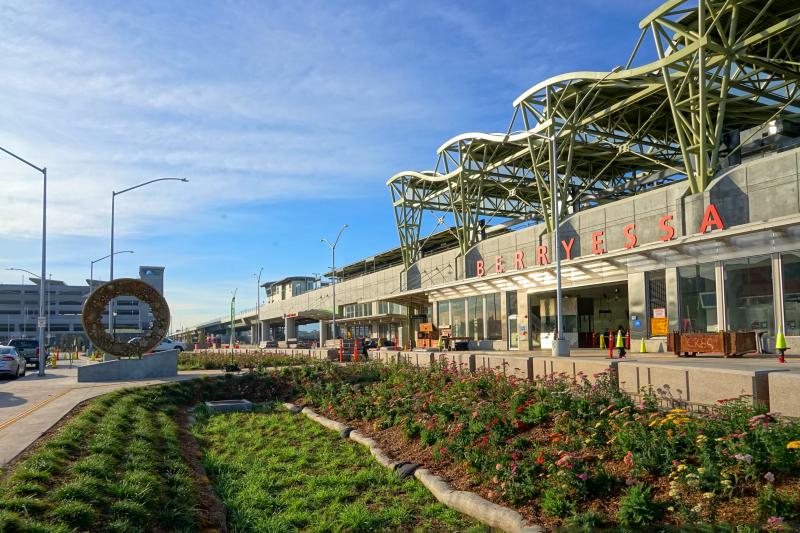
<point x="40" y="326"/>
<point x="333" y="285"/>
<point x="258" y="306"/>
<point x="114" y="195"/>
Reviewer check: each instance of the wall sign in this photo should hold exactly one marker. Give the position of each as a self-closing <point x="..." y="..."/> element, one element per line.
<point x="711" y="220"/>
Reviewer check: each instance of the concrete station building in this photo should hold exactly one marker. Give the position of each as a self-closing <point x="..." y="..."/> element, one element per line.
<point x="677" y="189"/>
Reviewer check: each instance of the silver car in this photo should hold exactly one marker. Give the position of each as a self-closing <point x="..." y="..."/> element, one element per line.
<point x="11" y="362"/>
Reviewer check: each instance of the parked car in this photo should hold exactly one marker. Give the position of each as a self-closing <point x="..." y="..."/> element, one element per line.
<point x="28" y="349"/>
<point x="166" y="344"/>
<point x="11" y="362"/>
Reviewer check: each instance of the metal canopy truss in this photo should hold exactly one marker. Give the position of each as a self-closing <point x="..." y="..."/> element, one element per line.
<point x="723" y="66"/>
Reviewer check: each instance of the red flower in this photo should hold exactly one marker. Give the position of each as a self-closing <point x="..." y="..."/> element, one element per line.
<point x="540" y="458"/>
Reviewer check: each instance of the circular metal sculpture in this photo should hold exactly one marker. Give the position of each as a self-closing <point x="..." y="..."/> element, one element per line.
<point x="97" y="303"/>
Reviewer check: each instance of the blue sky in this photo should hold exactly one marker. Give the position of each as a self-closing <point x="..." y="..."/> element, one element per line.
<point x="287" y="117"/>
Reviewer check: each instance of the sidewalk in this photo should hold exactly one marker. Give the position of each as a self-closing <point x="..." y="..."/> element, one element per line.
<point x="30" y="406"/>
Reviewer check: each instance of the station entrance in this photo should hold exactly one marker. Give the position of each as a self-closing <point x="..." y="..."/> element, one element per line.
<point x="587" y="311"/>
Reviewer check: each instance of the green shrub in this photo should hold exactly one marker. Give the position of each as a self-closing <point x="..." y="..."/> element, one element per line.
<point x="585" y="522"/>
<point x="133" y="512"/>
<point x="84" y="488"/>
<point x="76" y="514"/>
<point x="10" y="522"/>
<point x="23" y="505"/>
<point x="773" y="502"/>
<point x="557" y="502"/>
<point x="637" y="508"/>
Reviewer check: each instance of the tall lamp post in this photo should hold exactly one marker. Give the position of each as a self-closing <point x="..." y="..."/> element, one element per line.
<point x="333" y="267"/>
<point x="91" y="281"/>
<point x="40" y="325"/>
<point x="258" y="306"/>
<point x="233" y="319"/>
<point x="560" y="345"/>
<point x="91" y="267"/>
<point x="42" y="311"/>
<point x="114" y="195"/>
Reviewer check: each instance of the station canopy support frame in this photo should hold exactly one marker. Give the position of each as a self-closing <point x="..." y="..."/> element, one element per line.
<point x="722" y="66"/>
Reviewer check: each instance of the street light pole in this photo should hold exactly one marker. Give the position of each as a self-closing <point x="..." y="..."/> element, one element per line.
<point x="233" y="318"/>
<point x="333" y="267"/>
<point x="560" y="348"/>
<point x="91" y="279"/>
<point x="40" y="326"/>
<point x="114" y="195"/>
<point x="42" y="310"/>
<point x="258" y="306"/>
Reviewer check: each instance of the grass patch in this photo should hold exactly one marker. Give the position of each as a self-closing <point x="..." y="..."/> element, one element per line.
<point x="281" y="472"/>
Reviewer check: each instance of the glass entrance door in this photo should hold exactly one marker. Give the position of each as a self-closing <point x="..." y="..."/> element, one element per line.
<point x="513" y="333"/>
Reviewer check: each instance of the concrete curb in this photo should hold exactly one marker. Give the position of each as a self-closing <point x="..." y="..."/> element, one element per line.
<point x="468" y="503"/>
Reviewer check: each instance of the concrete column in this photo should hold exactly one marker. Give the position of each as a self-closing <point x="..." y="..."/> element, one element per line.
<point x="637" y="303"/>
<point x="253" y="333"/>
<point x="266" y="334"/>
<point x="323" y="332"/>
<point x="777" y="291"/>
<point x="673" y="300"/>
<point x="722" y="315"/>
<point x="291" y="328"/>
<point x="523" y="323"/>
<point x="375" y="327"/>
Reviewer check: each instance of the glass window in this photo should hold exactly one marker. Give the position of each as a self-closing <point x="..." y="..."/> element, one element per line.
<point x="698" y="298"/>
<point x="444" y="313"/>
<point x="748" y="294"/>
<point x="791" y="292"/>
<point x="475" y="312"/>
<point x="493" y="323"/>
<point x="458" y="319"/>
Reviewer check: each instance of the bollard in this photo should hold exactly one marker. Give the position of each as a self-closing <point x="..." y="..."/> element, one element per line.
<point x="780" y="345"/>
<point x="628" y="339"/>
<point x="610" y="347"/>
<point x="355" y="350"/>
<point x="341" y="350"/>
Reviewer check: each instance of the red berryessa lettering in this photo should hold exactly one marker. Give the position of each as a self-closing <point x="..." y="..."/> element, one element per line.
<point x="498" y="264"/>
<point x="630" y="237"/>
<point x="597" y="242"/>
<point x="480" y="268"/>
<point x="519" y="260"/>
<point x="711" y="218"/>
<point x="541" y="255"/>
<point x="568" y="247"/>
<point x="669" y="231"/>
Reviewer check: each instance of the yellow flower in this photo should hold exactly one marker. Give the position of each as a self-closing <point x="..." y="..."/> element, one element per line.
<point x="681" y="468"/>
<point x="598" y="424"/>
<point x="654" y="422"/>
<point x="701" y="470"/>
<point x="793" y="445"/>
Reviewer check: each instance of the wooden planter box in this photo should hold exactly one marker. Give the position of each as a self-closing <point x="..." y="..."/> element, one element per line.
<point x="727" y="343"/>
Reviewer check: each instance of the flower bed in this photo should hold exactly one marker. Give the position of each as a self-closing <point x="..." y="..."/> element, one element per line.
<point x="580" y="453"/>
<point x="252" y="361"/>
<point x="562" y="453"/>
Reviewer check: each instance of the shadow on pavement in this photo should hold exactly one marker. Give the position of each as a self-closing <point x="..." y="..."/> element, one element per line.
<point x="7" y="399"/>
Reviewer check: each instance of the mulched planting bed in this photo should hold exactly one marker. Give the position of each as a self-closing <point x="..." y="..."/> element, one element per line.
<point x="580" y="454"/>
<point x="278" y="472"/>
<point x="570" y="454"/>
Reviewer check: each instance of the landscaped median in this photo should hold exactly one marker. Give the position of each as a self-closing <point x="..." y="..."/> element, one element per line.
<point x="255" y="360"/>
<point x="277" y="472"/>
<point x="558" y="451"/>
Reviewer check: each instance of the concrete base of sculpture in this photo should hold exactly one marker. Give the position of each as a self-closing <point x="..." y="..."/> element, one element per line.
<point x="159" y="365"/>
